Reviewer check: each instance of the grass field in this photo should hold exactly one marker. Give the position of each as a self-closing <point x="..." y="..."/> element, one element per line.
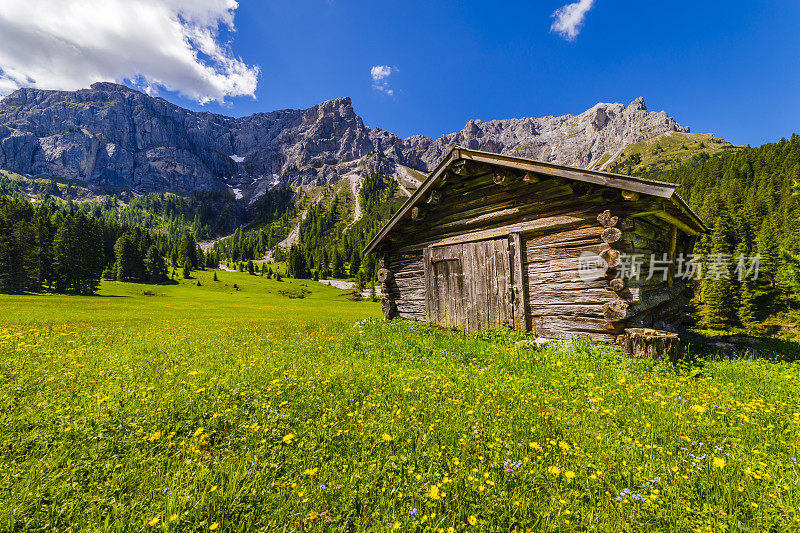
<point x="203" y="408"/>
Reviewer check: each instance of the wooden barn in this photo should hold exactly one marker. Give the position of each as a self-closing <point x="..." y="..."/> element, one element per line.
<point x="490" y="240"/>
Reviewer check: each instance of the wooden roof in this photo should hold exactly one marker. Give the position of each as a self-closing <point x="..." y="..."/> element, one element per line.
<point x="654" y="188"/>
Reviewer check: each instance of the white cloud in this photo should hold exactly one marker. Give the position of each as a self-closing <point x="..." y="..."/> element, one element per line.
<point x="173" y="44"/>
<point x="569" y="19"/>
<point x="380" y="78"/>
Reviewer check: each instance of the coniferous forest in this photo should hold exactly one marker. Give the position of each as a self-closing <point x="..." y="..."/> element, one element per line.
<point x="748" y="198"/>
<point x="45" y="247"/>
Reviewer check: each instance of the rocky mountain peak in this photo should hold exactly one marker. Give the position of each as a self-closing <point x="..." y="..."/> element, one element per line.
<point x="111" y="136"/>
<point x="109" y="86"/>
<point x="637" y="105"/>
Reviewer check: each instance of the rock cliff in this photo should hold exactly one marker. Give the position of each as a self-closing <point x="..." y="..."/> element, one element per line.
<point x="110" y="136"/>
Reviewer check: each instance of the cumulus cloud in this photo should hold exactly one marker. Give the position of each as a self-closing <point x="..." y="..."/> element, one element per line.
<point x="569" y="19"/>
<point x="380" y="78"/>
<point x="176" y="45"/>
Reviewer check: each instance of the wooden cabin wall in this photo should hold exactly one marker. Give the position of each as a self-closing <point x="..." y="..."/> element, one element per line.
<point x="558" y="220"/>
<point x="559" y="301"/>
<point x="646" y="302"/>
<point x="406" y="288"/>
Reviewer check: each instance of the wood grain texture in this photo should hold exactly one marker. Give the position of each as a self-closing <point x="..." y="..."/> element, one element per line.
<point x="480" y="255"/>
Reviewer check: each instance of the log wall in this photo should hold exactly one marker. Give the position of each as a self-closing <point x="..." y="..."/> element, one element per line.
<point x="550" y="222"/>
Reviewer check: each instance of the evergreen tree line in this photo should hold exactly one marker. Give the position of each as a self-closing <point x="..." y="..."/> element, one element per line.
<point x="246" y="245"/>
<point x="746" y="197"/>
<point x="329" y="247"/>
<point x="271" y="213"/>
<point x="204" y="213"/>
<point x="49" y="247"/>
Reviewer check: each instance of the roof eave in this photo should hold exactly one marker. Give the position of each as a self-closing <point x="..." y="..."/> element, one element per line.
<point x="432" y="178"/>
<point x="654" y="188"/>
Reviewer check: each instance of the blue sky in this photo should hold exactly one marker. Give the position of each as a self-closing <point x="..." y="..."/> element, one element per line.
<point x="729" y="68"/>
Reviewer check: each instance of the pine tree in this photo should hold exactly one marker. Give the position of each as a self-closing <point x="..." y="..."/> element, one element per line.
<point x="338" y="264"/>
<point x="793" y="271"/>
<point x="187" y="251"/>
<point x="718" y="289"/>
<point x="45" y="231"/>
<point x="370" y="267"/>
<point x="77" y="255"/>
<point x="355" y="262"/>
<point x="18" y="271"/>
<point x="154" y="263"/>
<point x="747" y="310"/>
<point x="125" y="250"/>
<point x="298" y="268"/>
<point x="211" y="259"/>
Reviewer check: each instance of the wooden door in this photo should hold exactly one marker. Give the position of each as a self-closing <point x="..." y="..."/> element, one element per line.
<point x="468" y="286"/>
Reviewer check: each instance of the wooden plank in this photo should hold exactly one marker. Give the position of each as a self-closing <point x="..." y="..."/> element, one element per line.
<point x="459" y="308"/>
<point x="561" y="238"/>
<point x="471" y="287"/>
<point x="506" y="285"/>
<point x="673" y="240"/>
<point x="530" y="226"/>
<point x="573" y="325"/>
<point x="547" y="295"/>
<point x="520" y="305"/>
<point x="459" y="223"/>
<point x="481" y="304"/>
<point x="564" y="252"/>
<point x="675" y="221"/>
<point x="568" y="310"/>
<point x="650" y="187"/>
<point x="429" y="287"/>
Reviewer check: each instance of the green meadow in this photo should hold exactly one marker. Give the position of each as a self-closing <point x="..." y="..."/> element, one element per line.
<point x="284" y="406"/>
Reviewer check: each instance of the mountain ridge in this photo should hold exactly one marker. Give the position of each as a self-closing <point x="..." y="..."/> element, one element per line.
<point x="112" y="137"/>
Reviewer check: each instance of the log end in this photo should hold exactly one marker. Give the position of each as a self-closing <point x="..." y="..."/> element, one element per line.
<point x="389" y="308"/>
<point x="384" y="275"/>
<point x="611" y="235"/>
<point x="607" y="220"/>
<point x="651" y="343"/>
<point x="615" y="310"/>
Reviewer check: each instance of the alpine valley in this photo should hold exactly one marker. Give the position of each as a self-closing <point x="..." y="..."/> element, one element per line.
<point x="114" y="146"/>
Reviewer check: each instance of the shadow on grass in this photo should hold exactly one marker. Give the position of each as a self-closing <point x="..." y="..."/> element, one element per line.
<point x="699" y="346"/>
